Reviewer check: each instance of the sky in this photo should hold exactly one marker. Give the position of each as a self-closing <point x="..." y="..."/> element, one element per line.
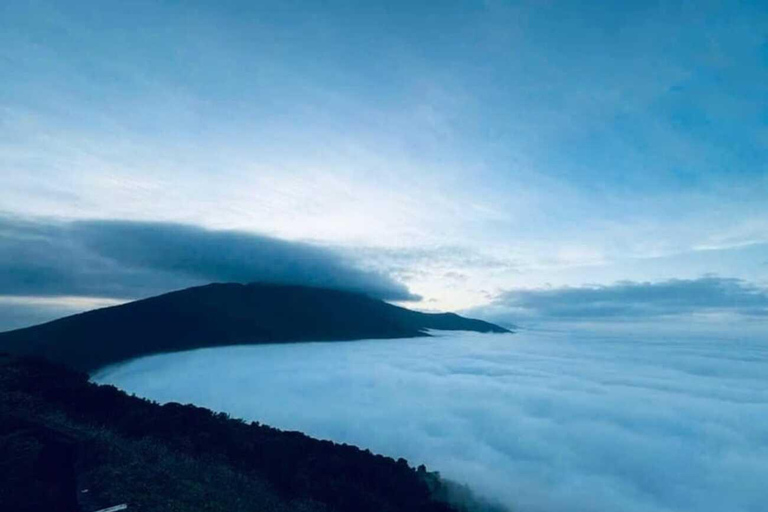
<point x="494" y="157"/>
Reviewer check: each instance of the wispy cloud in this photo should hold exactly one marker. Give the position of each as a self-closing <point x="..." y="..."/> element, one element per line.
<point x="541" y="137"/>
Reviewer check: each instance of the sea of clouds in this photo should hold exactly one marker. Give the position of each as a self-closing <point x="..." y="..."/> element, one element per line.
<point x="570" y="421"/>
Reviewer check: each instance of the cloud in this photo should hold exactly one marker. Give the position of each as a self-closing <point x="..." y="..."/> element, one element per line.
<point x="125" y="259"/>
<point x="633" y="300"/>
<point x="544" y="422"/>
<point x="415" y="261"/>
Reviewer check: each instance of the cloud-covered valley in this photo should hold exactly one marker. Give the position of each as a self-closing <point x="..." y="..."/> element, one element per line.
<point x="541" y="421"/>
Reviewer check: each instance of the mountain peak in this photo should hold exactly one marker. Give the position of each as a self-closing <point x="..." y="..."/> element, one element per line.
<point x="220" y="314"/>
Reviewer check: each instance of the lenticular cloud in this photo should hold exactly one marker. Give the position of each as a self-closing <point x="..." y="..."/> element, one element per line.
<point x="540" y="422"/>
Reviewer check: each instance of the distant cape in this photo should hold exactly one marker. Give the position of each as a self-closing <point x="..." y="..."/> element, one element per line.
<point x="224" y="314"/>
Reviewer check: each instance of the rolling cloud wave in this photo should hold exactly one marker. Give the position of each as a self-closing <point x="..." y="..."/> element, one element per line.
<point x="126" y="259"/>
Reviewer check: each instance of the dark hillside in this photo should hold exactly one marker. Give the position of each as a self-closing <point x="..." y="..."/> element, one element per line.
<point x="61" y="435"/>
<point x="223" y="314"/>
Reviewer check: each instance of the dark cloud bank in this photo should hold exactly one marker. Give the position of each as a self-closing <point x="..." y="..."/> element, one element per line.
<point x="130" y="260"/>
<point x="124" y="259"/>
<point x="627" y="300"/>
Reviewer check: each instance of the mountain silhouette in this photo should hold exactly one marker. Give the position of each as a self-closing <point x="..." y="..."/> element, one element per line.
<point x="224" y="314"/>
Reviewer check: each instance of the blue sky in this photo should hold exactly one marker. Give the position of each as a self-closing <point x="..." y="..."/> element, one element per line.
<point x="463" y="149"/>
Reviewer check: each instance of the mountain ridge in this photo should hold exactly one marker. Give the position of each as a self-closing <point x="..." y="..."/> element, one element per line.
<point x="221" y="314"/>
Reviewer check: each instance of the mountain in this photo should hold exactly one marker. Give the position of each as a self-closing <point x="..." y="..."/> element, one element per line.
<point x="224" y="314"/>
<point x="69" y="445"/>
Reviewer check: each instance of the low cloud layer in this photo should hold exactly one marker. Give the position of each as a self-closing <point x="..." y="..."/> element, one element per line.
<point x="121" y="259"/>
<point x="629" y="300"/>
<point x="543" y="422"/>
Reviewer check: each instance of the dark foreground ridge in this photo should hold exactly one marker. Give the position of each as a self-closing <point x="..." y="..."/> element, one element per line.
<point x="70" y="445"/>
<point x="223" y="314"/>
